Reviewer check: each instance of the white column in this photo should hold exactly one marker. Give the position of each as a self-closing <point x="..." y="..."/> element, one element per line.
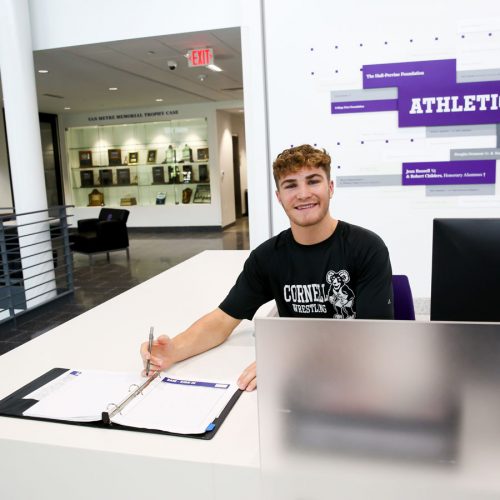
<point x="25" y="149"/>
<point x="260" y="186"/>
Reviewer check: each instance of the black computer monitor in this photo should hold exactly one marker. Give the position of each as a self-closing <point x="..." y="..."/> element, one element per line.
<point x="465" y="270"/>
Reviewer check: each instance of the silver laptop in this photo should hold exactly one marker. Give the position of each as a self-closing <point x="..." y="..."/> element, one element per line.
<point x="400" y="403"/>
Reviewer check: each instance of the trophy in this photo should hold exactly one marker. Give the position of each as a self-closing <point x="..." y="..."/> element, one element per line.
<point x="170" y="156"/>
<point x="187" y="174"/>
<point x="186" y="195"/>
<point x="96" y="198"/>
<point x="187" y="153"/>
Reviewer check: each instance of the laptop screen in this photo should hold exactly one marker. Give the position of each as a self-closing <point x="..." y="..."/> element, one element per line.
<point x="410" y="400"/>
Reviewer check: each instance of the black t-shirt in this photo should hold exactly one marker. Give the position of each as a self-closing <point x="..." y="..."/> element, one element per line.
<point x="348" y="275"/>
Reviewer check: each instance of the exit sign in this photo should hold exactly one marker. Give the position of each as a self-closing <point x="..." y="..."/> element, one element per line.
<point x="200" y="57"/>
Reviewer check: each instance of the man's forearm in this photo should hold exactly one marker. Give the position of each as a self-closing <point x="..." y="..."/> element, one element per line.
<point x="206" y="333"/>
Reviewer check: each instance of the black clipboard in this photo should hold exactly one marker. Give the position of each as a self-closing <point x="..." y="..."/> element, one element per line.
<point x="14" y="405"/>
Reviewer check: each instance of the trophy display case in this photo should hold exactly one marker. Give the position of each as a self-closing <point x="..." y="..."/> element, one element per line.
<point x="132" y="164"/>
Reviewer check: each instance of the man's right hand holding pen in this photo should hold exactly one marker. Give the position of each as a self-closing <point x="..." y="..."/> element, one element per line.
<point x="161" y="356"/>
<point x="209" y="331"/>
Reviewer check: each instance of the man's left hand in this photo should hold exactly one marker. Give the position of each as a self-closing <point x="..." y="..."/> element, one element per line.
<point x="248" y="379"/>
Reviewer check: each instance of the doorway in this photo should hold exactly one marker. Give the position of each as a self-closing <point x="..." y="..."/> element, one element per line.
<point x="237" y="177"/>
<point x="51" y="159"/>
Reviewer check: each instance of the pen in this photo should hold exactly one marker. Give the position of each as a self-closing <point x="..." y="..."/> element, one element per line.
<point x="150" y="346"/>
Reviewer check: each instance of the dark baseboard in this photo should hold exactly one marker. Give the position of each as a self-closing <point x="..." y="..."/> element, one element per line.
<point x="174" y="229"/>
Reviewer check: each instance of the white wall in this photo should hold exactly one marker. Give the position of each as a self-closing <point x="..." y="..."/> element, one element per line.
<point x="226" y="171"/>
<point x="5" y="192"/>
<point x="63" y="23"/>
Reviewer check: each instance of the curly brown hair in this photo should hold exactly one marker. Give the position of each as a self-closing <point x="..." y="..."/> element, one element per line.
<point x="293" y="159"/>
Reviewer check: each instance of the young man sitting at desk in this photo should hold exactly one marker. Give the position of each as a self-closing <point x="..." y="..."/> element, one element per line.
<point x="319" y="267"/>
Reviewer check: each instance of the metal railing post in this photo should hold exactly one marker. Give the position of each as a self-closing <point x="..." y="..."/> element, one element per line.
<point x="5" y="270"/>
<point x="68" y="256"/>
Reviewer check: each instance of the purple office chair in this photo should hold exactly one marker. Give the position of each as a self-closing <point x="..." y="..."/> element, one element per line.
<point x="403" y="299"/>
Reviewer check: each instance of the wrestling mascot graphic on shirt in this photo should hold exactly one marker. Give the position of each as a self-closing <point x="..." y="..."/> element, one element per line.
<point x="340" y="295"/>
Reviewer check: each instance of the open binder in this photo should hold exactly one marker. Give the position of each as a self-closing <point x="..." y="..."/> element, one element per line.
<point x="142" y="408"/>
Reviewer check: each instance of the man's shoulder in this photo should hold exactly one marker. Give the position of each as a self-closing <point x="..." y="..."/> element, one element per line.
<point x="268" y="254"/>
<point x="274" y="243"/>
<point x="357" y="235"/>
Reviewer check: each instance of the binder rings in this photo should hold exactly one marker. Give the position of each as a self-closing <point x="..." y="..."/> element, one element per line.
<point x="16" y="404"/>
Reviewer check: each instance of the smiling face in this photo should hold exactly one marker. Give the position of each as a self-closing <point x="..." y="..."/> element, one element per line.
<point x="305" y="196"/>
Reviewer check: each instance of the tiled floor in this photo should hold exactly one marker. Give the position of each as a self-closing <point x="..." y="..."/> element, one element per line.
<point x="150" y="253"/>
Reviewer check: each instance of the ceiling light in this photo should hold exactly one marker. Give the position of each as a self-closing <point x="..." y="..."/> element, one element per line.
<point x="113" y="88"/>
<point x="202" y="78"/>
<point x="151" y="52"/>
<point x="43" y="71"/>
<point x="213" y="67"/>
<point x="67" y="107"/>
<point x="159" y="100"/>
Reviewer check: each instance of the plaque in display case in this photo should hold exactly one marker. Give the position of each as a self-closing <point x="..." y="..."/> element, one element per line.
<point x="128" y="201"/>
<point x="202" y="194"/>
<point x="85" y="158"/>
<point x="96" y="198"/>
<point x="152" y="156"/>
<point x="133" y="157"/>
<point x="114" y="157"/>
<point x="203" y="173"/>
<point x="186" y="195"/>
<point x="158" y="175"/>
<point x="187" y="174"/>
<point x="87" y="178"/>
<point x="187" y="153"/>
<point x="105" y="177"/>
<point x="202" y="154"/>
<point x="123" y="176"/>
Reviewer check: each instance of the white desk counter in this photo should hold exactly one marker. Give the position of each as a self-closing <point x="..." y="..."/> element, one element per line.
<point x="45" y="460"/>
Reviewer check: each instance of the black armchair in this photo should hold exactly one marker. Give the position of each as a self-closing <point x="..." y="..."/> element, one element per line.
<point x="107" y="234"/>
